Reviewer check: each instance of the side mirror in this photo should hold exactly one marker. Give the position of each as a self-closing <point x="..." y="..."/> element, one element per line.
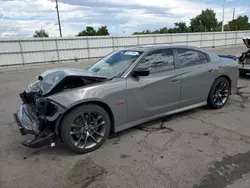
<point x="137" y="73"/>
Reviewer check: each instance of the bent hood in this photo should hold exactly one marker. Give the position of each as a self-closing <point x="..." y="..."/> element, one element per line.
<point x="49" y="79"/>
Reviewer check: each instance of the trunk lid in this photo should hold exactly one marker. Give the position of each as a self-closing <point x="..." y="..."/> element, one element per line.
<point x="246" y="40"/>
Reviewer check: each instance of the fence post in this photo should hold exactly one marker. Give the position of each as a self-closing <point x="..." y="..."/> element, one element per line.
<point x="187" y="39"/>
<point x="213" y="41"/>
<point x="44" y="55"/>
<point x="88" y="50"/>
<point x="154" y="40"/>
<point x="57" y="50"/>
<point x="113" y="44"/>
<point x="171" y="39"/>
<point x="201" y="40"/>
<point x="138" y="40"/>
<point x="21" y="50"/>
<point x="236" y="37"/>
<point x="226" y="39"/>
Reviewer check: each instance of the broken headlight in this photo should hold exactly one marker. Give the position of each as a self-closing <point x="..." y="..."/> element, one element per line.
<point x="46" y="107"/>
<point x="34" y="86"/>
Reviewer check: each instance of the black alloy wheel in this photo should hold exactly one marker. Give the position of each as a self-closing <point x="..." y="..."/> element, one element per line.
<point x="85" y="128"/>
<point x="219" y="93"/>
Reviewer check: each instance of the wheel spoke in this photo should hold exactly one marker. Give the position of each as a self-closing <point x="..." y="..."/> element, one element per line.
<point x="223" y="86"/>
<point x="98" y="133"/>
<point x="100" y="124"/>
<point x="75" y="132"/>
<point x="215" y="98"/>
<point x="220" y="100"/>
<point x="79" y="140"/>
<point x="97" y="119"/>
<point x="76" y="126"/>
<point x="85" y="140"/>
<point x="93" y="138"/>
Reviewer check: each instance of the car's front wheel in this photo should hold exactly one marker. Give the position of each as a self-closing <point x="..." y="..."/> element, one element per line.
<point x="219" y="93"/>
<point x="85" y="128"/>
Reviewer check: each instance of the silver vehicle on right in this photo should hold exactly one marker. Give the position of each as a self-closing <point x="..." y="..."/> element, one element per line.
<point x="244" y="59"/>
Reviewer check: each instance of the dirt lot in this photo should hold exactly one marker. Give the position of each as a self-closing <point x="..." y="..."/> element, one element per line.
<point x="201" y="148"/>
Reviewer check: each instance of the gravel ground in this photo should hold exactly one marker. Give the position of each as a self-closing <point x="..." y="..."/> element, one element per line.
<point x="200" y="148"/>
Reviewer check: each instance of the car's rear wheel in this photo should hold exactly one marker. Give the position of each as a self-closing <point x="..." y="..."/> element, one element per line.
<point x="219" y="93"/>
<point x="85" y="128"/>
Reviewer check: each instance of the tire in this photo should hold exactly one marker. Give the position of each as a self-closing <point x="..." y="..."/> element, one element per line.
<point x="218" y="99"/>
<point x="75" y="122"/>
<point x="243" y="74"/>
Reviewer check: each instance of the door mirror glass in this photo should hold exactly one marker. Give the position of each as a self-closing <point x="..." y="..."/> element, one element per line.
<point x="137" y="73"/>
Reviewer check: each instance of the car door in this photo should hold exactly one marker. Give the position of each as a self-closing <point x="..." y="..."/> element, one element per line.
<point x="156" y="93"/>
<point x="198" y="74"/>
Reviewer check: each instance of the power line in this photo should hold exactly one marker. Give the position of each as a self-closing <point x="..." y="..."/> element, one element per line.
<point x="58" y="16"/>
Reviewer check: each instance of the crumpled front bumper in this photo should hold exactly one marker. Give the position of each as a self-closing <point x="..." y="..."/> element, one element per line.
<point x="29" y="124"/>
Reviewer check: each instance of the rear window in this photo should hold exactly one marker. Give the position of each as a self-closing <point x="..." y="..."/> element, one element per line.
<point x="191" y="57"/>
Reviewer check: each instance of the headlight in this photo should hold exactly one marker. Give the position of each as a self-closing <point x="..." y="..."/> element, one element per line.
<point x="34" y="86"/>
<point x="46" y="107"/>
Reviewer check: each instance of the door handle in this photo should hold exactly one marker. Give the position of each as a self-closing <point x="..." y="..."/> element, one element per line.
<point x="210" y="70"/>
<point x="175" y="80"/>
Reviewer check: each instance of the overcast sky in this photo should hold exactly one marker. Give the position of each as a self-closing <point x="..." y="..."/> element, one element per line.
<point x="20" y="18"/>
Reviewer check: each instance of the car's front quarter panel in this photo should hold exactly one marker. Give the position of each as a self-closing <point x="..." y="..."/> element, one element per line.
<point x="112" y="93"/>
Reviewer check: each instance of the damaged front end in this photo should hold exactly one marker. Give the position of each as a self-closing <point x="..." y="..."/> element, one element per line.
<point x="244" y="58"/>
<point x="39" y="115"/>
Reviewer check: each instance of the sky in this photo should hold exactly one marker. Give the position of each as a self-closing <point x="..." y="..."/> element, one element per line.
<point x="20" y="18"/>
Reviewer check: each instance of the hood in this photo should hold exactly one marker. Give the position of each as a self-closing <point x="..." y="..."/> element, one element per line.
<point x="246" y="40"/>
<point x="64" y="78"/>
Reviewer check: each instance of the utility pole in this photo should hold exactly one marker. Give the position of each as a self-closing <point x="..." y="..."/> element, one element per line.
<point x="233" y="13"/>
<point x="58" y="16"/>
<point x="222" y="27"/>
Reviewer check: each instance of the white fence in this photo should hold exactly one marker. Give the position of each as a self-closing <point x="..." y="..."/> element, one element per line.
<point x="43" y="50"/>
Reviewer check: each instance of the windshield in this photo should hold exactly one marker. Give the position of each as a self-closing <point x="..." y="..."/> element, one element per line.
<point x="115" y="64"/>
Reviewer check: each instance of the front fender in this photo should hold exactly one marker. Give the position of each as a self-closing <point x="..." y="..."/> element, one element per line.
<point x="110" y="93"/>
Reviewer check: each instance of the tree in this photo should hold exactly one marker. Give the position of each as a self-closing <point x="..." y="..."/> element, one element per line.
<point x="195" y="24"/>
<point x="241" y="23"/>
<point x="180" y="27"/>
<point x="226" y="27"/>
<point x="89" y="31"/>
<point x="206" y="21"/>
<point x="41" y="33"/>
<point x="102" y="31"/>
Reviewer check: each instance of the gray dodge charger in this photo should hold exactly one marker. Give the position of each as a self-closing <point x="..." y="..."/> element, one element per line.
<point x="127" y="87"/>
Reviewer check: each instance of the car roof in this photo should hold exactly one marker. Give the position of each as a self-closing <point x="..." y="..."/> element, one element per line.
<point x="148" y="48"/>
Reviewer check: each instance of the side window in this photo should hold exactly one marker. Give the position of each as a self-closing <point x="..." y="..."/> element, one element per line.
<point x="158" y="61"/>
<point x="190" y="57"/>
<point x="203" y="58"/>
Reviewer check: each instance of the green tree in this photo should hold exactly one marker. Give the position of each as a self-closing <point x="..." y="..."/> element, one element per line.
<point x="89" y="31"/>
<point x="181" y="27"/>
<point x="226" y="27"/>
<point x="240" y="23"/>
<point x="206" y="21"/>
<point x="195" y="24"/>
<point x="102" y="31"/>
<point x="163" y="30"/>
<point x="40" y="33"/>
